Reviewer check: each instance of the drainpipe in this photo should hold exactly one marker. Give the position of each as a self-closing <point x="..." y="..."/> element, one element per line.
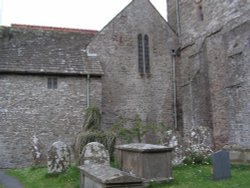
<point x="88" y="90"/>
<point x="174" y="88"/>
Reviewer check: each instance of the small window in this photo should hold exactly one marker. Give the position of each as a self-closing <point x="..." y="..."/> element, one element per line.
<point x="143" y="54"/>
<point x="146" y="54"/>
<point x="140" y="54"/>
<point x="52" y="83"/>
<point x="200" y="13"/>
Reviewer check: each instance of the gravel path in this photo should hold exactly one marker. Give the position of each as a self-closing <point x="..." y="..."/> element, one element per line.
<point x="8" y="181"/>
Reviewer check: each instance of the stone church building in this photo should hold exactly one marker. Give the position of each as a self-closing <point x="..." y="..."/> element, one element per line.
<point x="190" y="73"/>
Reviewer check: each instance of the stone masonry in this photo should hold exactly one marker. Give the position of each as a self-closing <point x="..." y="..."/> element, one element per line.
<point x="213" y="69"/>
<point x="27" y="106"/>
<point x="211" y="41"/>
<point x="125" y="91"/>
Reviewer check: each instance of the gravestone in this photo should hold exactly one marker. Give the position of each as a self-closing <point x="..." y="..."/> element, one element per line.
<point x="38" y="152"/>
<point x="95" y="153"/>
<point x="221" y="165"/>
<point x="103" y="176"/>
<point x="58" y="157"/>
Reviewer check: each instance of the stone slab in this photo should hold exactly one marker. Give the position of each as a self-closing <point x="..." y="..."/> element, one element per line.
<point x="144" y="148"/>
<point x="102" y="176"/>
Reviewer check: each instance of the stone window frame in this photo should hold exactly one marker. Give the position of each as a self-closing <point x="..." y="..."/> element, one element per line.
<point x="52" y="83"/>
<point x="143" y="54"/>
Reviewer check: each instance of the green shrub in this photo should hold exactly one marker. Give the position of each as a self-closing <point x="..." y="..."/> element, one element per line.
<point x="92" y="119"/>
<point x="91" y="132"/>
<point x="138" y="130"/>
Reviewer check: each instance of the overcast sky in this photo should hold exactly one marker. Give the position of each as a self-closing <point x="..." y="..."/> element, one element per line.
<point x="86" y="14"/>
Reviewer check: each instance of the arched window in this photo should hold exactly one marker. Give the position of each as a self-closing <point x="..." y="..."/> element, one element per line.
<point x="143" y="54"/>
<point x="146" y="54"/>
<point x="140" y="54"/>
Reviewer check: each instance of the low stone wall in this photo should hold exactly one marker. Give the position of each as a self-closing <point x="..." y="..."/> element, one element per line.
<point x="238" y="155"/>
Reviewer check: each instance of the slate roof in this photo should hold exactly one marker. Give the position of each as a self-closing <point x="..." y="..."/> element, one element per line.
<point x="47" y="50"/>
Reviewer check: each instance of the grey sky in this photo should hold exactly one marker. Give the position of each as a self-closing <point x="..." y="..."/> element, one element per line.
<point x="87" y="14"/>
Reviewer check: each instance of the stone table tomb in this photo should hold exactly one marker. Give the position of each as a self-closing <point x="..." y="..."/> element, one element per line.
<point x="151" y="162"/>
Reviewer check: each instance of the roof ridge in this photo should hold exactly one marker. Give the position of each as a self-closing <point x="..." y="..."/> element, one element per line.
<point x="49" y="28"/>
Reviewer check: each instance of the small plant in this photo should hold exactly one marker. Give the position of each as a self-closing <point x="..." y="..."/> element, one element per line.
<point x="138" y="130"/>
<point x="197" y="159"/>
<point x="115" y="163"/>
<point x="92" y="120"/>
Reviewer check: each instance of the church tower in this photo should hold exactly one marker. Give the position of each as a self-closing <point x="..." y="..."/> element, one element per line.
<point x="214" y="70"/>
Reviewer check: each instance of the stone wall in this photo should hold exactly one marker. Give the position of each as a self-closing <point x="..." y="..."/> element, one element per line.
<point x="213" y="77"/>
<point x="200" y="17"/>
<point x="125" y="91"/>
<point x="28" y="107"/>
<point x="228" y="56"/>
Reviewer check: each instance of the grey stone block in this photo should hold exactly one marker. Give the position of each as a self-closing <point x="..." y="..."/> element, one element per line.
<point x="103" y="176"/>
<point x="151" y="162"/>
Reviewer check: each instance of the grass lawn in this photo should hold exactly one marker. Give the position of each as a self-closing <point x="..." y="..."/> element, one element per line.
<point x="1" y="186"/>
<point x="39" y="178"/>
<point x="195" y="176"/>
<point x="191" y="176"/>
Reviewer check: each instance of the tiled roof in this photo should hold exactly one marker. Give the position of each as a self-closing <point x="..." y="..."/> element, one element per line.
<point x="46" y="51"/>
<point x="61" y="29"/>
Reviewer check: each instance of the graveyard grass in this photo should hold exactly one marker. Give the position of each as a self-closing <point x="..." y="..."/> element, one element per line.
<point x="185" y="176"/>
<point x="36" y="177"/>
<point x="196" y="176"/>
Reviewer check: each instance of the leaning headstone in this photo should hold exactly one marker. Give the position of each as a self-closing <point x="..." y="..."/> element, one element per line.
<point x="38" y="152"/>
<point x="221" y="165"/>
<point x="94" y="153"/>
<point x="58" y="157"/>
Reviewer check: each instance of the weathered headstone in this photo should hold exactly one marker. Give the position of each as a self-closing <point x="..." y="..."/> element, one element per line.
<point x="103" y="176"/>
<point x="95" y="153"/>
<point x="58" y="157"/>
<point x="221" y="165"/>
<point x="38" y="152"/>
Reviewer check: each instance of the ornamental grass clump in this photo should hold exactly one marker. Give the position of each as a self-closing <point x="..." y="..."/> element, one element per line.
<point x="92" y="132"/>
